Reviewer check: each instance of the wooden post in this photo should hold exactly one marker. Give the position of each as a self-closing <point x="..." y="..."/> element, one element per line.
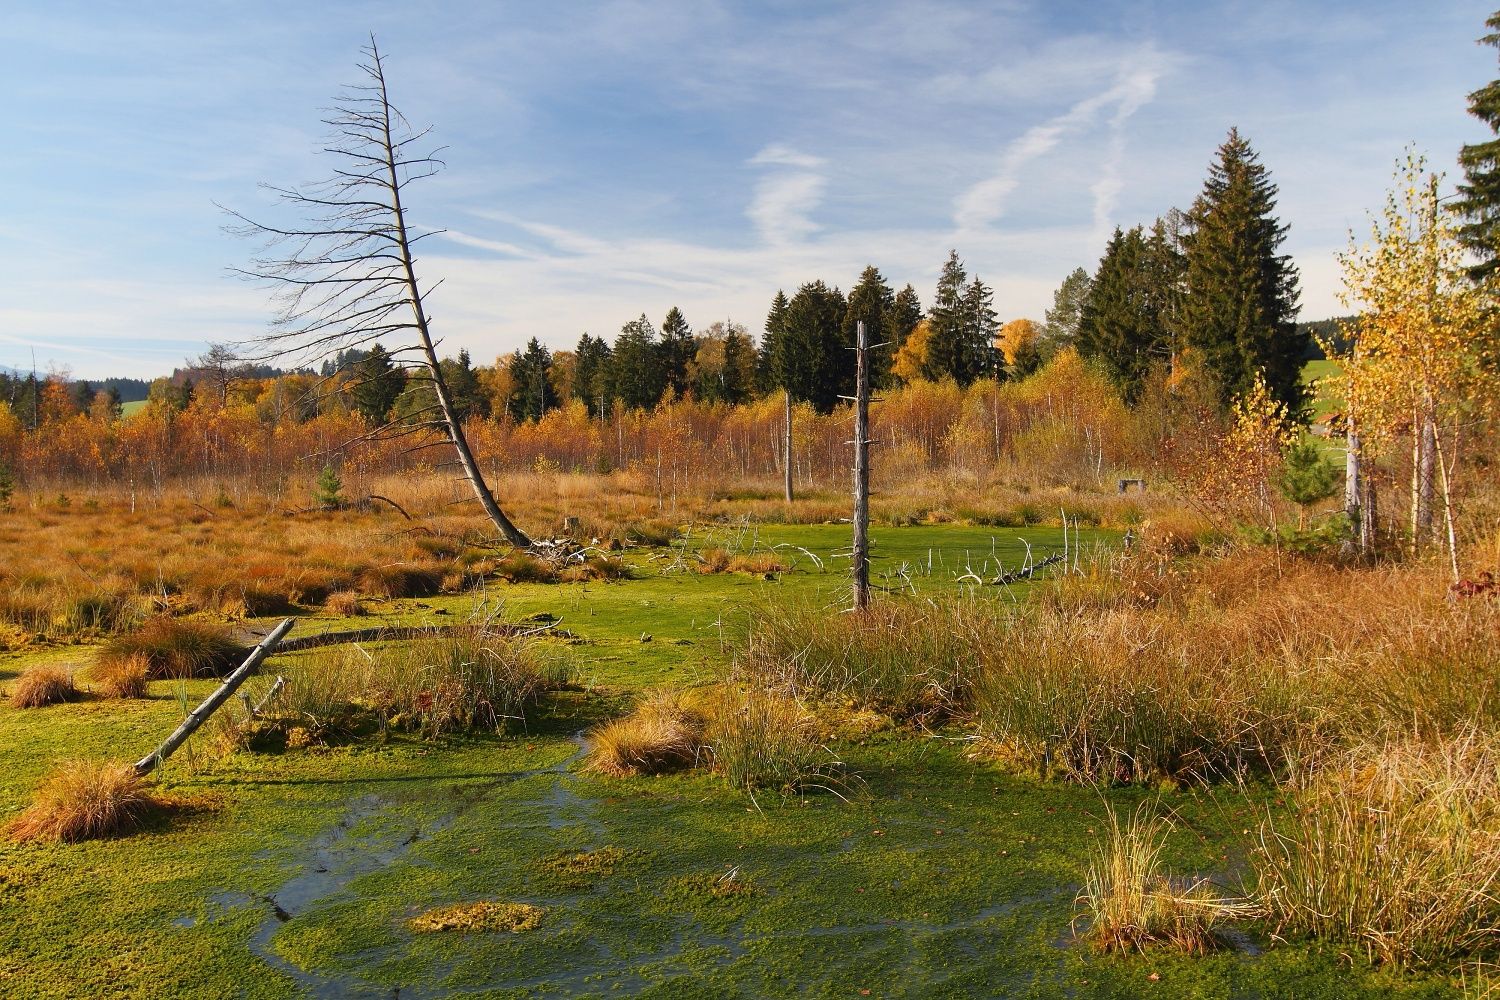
<point x="861" y="560"/>
<point x="788" y="455"/>
<point x="211" y="704"/>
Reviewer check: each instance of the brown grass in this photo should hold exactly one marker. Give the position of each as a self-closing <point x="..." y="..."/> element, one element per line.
<point x="175" y="647"/>
<point x="83" y="800"/>
<point x="123" y="676"/>
<point x="344" y="603"/>
<point x="664" y="733"/>
<point x="41" y="685"/>
<point x="513" y="918"/>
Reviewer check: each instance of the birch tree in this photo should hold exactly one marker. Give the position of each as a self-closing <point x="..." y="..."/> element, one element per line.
<point x="343" y="269"/>
<point x="1413" y="369"/>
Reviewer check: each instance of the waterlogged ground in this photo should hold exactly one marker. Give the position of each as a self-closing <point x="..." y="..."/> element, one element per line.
<point x="295" y="875"/>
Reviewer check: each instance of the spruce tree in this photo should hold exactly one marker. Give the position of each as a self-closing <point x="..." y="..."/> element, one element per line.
<point x="947" y="354"/>
<point x="900" y="321"/>
<point x="1114" y="327"/>
<point x="530" y="372"/>
<point x="1479" y="196"/>
<point x="873" y="301"/>
<point x="464" y="392"/>
<point x="639" y="381"/>
<point x="1239" y="307"/>
<point x="376" y="386"/>
<point x="767" y="375"/>
<point x="812" y="361"/>
<point x="677" y="348"/>
<point x="592" y="377"/>
<point x="981" y="358"/>
<point x="734" y="379"/>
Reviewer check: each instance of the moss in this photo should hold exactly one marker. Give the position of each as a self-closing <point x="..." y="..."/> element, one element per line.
<point x="482" y="916"/>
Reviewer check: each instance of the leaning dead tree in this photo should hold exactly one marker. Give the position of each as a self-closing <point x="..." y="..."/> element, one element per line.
<point x="343" y="271"/>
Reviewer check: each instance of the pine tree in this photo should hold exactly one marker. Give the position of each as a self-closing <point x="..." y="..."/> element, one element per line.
<point x="767" y="376"/>
<point x="946" y="352"/>
<point x="376" y="386"/>
<point x="1239" y="307"/>
<point x="639" y="381"/>
<point x="873" y="301"/>
<point x="1061" y="326"/>
<point x="676" y="348"/>
<point x="980" y="357"/>
<point x="1479" y="198"/>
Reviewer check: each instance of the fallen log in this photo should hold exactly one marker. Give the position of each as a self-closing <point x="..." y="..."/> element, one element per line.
<point x="398" y="633"/>
<point x="1005" y="579"/>
<point x="211" y="704"/>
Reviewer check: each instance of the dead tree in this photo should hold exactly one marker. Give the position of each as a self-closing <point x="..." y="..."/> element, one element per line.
<point x="343" y="271"/>
<point x="861" y="560"/>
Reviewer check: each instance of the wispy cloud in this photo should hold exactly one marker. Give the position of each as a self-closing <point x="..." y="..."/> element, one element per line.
<point x="984" y="203"/>
<point x="784" y="198"/>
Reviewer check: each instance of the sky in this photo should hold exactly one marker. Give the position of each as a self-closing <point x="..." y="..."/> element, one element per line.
<point x="608" y="159"/>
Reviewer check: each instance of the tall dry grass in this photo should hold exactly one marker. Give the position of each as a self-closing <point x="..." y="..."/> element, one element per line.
<point x="1394" y="847"/>
<point x="458" y="681"/>
<point x="82" y="800"/>
<point x="1130" y="900"/>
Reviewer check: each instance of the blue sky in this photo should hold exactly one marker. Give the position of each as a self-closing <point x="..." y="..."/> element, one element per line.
<point x="609" y="159"/>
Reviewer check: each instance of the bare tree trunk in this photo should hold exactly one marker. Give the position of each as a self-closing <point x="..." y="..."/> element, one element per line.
<point x="788" y="456"/>
<point x="861" y="556"/>
<point x="1354" y="484"/>
<point x="211" y="704"/>
<point x="1447" y="505"/>
<point x="451" y="423"/>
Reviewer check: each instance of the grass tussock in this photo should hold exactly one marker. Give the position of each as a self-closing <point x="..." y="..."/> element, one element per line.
<point x="84" y="800"/>
<point x="177" y="648"/>
<point x="122" y="676"/>
<point x="484" y="916"/>
<point x="762" y="741"/>
<point x="713" y="560"/>
<point x="1130" y="901"/>
<point x="664" y="733"/>
<point x="40" y="686"/>
<point x="458" y="681"/>
<point x="1394" y="848"/>
<point x="344" y="604"/>
<point x="912" y="660"/>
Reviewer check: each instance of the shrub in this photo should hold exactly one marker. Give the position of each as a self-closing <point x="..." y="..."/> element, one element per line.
<point x="122" y="677"/>
<point x="41" y="686"/>
<point x="1394" y="847"/>
<point x="81" y="800"/>
<point x="664" y="733"/>
<point x="176" y="648"/>
<point x="1131" y="901"/>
